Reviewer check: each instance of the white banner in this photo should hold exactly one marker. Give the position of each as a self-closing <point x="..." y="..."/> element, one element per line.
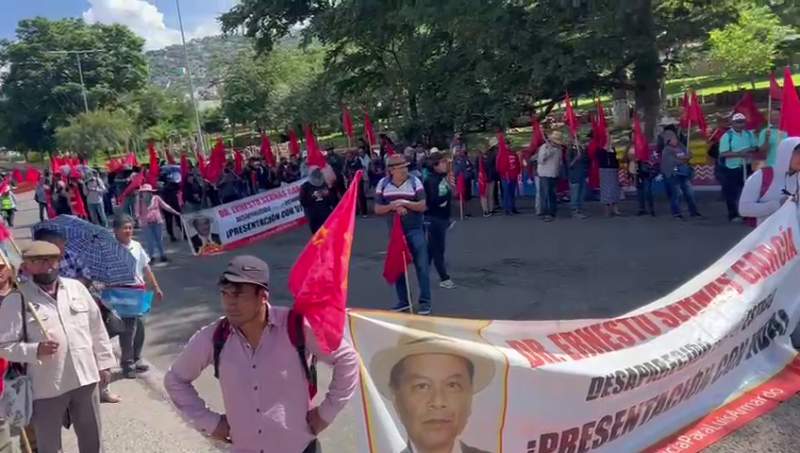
<point x="232" y="225"/>
<point x="621" y="384"/>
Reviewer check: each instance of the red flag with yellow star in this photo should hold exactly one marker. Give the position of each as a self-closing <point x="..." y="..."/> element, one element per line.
<point x="318" y="280"/>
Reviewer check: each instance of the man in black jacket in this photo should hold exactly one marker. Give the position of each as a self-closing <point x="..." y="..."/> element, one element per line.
<point x="318" y="200"/>
<point x="439" y="197"/>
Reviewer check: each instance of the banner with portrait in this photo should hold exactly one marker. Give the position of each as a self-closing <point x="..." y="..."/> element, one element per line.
<point x="242" y="222"/>
<point x="672" y="376"/>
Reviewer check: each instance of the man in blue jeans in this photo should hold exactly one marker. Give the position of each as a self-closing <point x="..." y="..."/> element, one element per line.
<point x="439" y="198"/>
<point x="403" y="194"/>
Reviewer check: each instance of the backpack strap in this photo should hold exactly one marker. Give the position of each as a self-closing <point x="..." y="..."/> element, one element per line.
<point x="297" y="337"/>
<point x="767" y="176"/>
<point x="221" y="333"/>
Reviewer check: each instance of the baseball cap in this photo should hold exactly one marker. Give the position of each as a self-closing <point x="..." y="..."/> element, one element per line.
<point x="247" y="269"/>
<point x="739" y="117"/>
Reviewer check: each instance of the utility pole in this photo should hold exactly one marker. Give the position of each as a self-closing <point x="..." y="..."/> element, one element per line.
<point x="80" y="69"/>
<point x="200" y="140"/>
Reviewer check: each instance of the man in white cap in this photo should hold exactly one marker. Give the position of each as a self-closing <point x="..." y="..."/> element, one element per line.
<point x="735" y="147"/>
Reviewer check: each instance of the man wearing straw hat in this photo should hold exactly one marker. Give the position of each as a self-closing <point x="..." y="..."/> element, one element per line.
<point x="431" y="381"/>
<point x="67" y="350"/>
<point x="549" y="167"/>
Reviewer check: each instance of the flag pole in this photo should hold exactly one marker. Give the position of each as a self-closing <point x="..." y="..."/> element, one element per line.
<point x="408" y="285"/>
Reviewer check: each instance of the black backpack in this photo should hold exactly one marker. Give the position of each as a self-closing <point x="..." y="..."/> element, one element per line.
<point x="295" y="328"/>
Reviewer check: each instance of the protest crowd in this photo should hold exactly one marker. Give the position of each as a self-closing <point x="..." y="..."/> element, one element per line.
<point x="84" y="259"/>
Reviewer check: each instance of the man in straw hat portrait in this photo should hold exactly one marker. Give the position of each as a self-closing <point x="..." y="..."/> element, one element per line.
<point x="431" y="381"/>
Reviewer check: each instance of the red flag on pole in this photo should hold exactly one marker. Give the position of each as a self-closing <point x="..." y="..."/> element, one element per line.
<point x="315" y="157"/>
<point x="747" y="107"/>
<point x="135" y="183"/>
<point x="238" y="162"/>
<point x="640" y="146"/>
<point x="537" y="137"/>
<point x="461" y="187"/>
<point x="216" y="163"/>
<point x="33" y="175"/>
<point x="369" y="131"/>
<point x="201" y="161"/>
<point x="570" y="118"/>
<point x="5" y="232"/>
<point x="184" y="170"/>
<point x="502" y="155"/>
<point x="686" y="111"/>
<point x="319" y="278"/>
<point x="775" y="90"/>
<point x="790" y="109"/>
<point x="154" y="171"/>
<point x="347" y="122"/>
<point x="697" y="115"/>
<point x="294" y="144"/>
<point x="266" y="150"/>
<point x="482" y="178"/>
<point x="398" y="255"/>
<point x="600" y="127"/>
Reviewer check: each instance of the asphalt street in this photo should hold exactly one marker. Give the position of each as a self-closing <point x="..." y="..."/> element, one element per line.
<point x="505" y="268"/>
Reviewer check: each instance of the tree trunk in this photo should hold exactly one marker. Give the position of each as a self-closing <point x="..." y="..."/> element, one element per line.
<point x="647" y="71"/>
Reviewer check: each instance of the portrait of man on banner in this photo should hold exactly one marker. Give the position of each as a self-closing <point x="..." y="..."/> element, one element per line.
<point x="431" y="381"/>
<point x="203" y="234"/>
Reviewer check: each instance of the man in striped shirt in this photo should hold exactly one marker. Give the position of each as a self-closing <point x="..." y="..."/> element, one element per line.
<point x="403" y="194"/>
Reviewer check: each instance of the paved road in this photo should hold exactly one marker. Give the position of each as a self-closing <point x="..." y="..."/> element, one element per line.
<point x="505" y="268"/>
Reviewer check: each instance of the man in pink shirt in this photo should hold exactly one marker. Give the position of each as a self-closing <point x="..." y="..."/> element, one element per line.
<point x="264" y="382"/>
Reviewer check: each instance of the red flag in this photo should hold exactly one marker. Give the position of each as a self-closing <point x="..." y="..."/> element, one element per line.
<point x="537" y="137"/>
<point x="640" y="145"/>
<point x="570" y="118"/>
<point x="55" y="164"/>
<point x="502" y="155"/>
<point x="600" y="127"/>
<point x="216" y="164"/>
<point x="398" y="255"/>
<point x="16" y="175"/>
<point x="51" y="211"/>
<point x="135" y="183"/>
<point x="294" y="144"/>
<point x="170" y="157"/>
<point x="461" y="187"/>
<point x="775" y="90"/>
<point x="481" y="178"/>
<point x="201" y="161"/>
<point x="347" y="122"/>
<point x="155" y="170"/>
<point x="132" y="160"/>
<point x="319" y="278"/>
<point x="4" y="187"/>
<point x="369" y="131"/>
<point x="33" y="175"/>
<point x="697" y="115"/>
<point x="78" y="208"/>
<point x="747" y="107"/>
<point x="266" y="150"/>
<point x="238" y="162"/>
<point x="686" y="112"/>
<point x="388" y="146"/>
<point x="315" y="157"/>
<point x="790" y="109"/>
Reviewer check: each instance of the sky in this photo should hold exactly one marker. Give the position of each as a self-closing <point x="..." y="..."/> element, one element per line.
<point x="154" y="20"/>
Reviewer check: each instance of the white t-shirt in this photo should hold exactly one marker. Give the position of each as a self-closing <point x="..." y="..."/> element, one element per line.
<point x="141" y="258"/>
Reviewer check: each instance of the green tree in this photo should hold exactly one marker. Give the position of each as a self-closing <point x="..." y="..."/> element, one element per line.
<point x="246" y="91"/>
<point x="95" y="131"/>
<point x="41" y="88"/>
<point x="748" y="48"/>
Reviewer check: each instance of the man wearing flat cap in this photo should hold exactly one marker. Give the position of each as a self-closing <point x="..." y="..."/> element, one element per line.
<point x="260" y="355"/>
<point x="431" y="381"/>
<point x="66" y="354"/>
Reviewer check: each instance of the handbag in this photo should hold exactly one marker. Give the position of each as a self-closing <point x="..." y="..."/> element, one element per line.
<point x="16" y="403"/>
<point x="112" y="321"/>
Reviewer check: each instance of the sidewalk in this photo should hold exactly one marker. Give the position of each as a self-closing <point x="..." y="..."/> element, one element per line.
<point x="144" y="422"/>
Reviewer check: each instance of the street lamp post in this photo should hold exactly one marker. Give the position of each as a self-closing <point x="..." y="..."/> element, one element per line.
<point x="191" y="82"/>
<point x="80" y="69"/>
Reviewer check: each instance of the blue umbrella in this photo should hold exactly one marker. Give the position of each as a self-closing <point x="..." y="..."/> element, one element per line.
<point x="107" y="260"/>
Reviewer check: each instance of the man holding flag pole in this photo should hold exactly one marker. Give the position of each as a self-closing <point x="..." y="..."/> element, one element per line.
<point x="403" y="194"/>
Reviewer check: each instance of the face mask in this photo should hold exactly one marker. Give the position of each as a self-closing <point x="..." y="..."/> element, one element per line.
<point x="46" y="278"/>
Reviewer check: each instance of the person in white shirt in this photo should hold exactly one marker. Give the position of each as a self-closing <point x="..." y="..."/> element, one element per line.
<point x="66" y="355"/>
<point x="131" y="341"/>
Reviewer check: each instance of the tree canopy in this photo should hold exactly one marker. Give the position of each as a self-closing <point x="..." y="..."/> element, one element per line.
<point x="95" y="131"/>
<point x="41" y="88"/>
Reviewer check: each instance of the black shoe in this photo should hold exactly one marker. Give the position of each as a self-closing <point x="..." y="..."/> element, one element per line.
<point x="141" y="367"/>
<point x="641" y="213"/>
<point x="129" y="373"/>
<point x="164" y="259"/>
<point x="514" y="211"/>
<point x="677" y="217"/>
